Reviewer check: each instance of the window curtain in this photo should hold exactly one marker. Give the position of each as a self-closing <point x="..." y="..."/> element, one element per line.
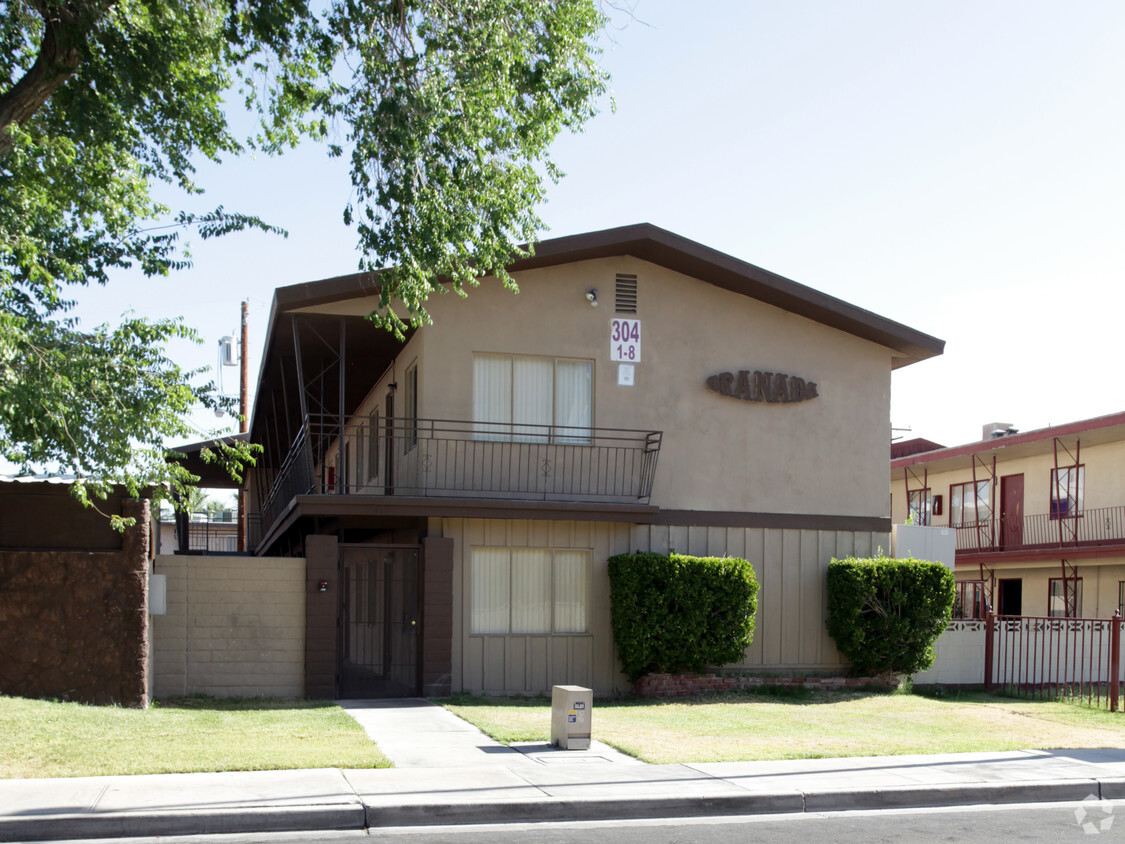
<point x="573" y="409"/>
<point x="533" y="401"/>
<point x="531" y="590"/>
<point x="489" y="585"/>
<point x="572" y="589"/>
<point x="492" y="397"/>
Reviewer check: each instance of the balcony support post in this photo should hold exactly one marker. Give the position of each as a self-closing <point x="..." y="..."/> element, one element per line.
<point x="341" y="464"/>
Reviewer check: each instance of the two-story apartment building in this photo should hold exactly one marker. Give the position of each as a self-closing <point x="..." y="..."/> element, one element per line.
<point x="457" y="494"/>
<point x="1039" y="515"/>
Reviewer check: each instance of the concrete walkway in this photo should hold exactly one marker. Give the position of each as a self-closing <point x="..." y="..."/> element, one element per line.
<point x="449" y="772"/>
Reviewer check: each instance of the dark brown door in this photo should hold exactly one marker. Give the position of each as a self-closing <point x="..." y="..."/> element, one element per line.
<point x="1011" y="511"/>
<point x="380" y="611"/>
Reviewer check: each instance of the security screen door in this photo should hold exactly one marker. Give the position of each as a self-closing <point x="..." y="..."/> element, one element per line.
<point x="379" y="622"/>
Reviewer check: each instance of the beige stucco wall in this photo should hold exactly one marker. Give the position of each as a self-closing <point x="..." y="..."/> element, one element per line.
<point x="235" y="627"/>
<point x="824" y="456"/>
<point x="790" y="566"/>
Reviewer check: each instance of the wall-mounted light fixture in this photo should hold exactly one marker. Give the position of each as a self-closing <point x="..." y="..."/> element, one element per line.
<point x="592" y="297"/>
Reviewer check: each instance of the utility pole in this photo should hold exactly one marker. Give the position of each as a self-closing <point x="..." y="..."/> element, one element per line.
<point x="243" y="425"/>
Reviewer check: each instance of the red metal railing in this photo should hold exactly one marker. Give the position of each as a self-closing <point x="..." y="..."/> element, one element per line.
<point x="1052" y="658"/>
<point x="1096" y="526"/>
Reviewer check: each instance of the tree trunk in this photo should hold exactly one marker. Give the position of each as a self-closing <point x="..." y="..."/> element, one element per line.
<point x="65" y="27"/>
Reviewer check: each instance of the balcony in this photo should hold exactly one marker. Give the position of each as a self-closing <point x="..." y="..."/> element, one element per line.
<point x="462" y="459"/>
<point x="1090" y="528"/>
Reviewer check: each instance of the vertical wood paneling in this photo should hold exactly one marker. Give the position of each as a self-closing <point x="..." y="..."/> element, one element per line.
<point x="495" y="532"/>
<point x="864" y="546"/>
<point x="697" y="542"/>
<point x="735" y="542"/>
<point x="558" y="650"/>
<point x="810" y="598"/>
<point x="579" y="662"/>
<point x="661" y="539"/>
<point x="677" y="539"/>
<point x="716" y="545"/>
<point x="560" y="534"/>
<point x="582" y="534"/>
<point x="494" y="663"/>
<point x="539" y="534"/>
<point x="518" y="531"/>
<point x="774" y="589"/>
<point x="754" y="551"/>
<point x="791" y="597"/>
<point x="473" y="670"/>
<point x="537" y="664"/>
<point x="639" y="537"/>
<point x="845" y="544"/>
<point x="515" y="664"/>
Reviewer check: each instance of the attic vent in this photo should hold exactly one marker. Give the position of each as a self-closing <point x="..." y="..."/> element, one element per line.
<point x="626" y="302"/>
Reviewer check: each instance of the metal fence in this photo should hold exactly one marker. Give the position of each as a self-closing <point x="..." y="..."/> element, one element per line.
<point x="1055" y="658"/>
<point x="1093" y="526"/>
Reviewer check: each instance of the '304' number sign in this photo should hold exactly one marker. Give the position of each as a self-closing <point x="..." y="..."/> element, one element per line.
<point x="625" y="340"/>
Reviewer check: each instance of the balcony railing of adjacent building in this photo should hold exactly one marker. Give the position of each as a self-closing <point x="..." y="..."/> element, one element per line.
<point x="449" y="458"/>
<point x="1099" y="526"/>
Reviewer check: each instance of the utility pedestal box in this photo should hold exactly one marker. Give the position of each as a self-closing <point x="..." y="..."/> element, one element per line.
<point x="571" y="708"/>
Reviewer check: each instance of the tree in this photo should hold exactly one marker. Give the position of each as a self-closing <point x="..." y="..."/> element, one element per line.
<point x="446" y="108"/>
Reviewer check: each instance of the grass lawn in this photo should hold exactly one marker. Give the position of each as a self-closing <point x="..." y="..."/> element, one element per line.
<point x="50" y="739"/>
<point x="808" y="725"/>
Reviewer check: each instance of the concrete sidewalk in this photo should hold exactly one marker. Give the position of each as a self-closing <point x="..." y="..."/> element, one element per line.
<point x="448" y="772"/>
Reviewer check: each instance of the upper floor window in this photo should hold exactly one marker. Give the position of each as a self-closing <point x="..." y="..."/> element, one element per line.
<point x="528" y="399"/>
<point x="967" y="508"/>
<point x="921" y="506"/>
<point x="1066" y="491"/>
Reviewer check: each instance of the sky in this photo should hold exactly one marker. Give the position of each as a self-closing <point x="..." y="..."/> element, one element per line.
<point x="953" y="166"/>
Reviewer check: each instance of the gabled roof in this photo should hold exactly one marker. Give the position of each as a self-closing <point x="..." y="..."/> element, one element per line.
<point x="1101" y="429"/>
<point x="657" y="246"/>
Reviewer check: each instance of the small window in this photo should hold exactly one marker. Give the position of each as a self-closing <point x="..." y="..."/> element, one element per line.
<point x="1058" y="605"/>
<point x="967" y="509"/>
<point x="1066" y="491"/>
<point x="1121" y="598"/>
<point x="626" y="298"/>
<point x="522" y="398"/>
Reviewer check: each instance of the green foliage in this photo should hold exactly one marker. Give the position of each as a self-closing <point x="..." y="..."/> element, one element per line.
<point x="672" y="612"/>
<point x="446" y="111"/>
<point x="885" y="614"/>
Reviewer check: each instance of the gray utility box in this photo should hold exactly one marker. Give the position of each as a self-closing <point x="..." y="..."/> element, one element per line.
<point x="571" y="708"/>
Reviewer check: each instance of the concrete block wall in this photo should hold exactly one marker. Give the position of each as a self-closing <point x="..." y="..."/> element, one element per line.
<point x="235" y="627"/>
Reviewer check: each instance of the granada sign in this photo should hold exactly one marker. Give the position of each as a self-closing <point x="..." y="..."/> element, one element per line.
<point x="758" y="386"/>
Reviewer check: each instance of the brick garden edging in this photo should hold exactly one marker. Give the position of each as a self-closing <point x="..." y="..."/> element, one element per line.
<point x="690" y="685"/>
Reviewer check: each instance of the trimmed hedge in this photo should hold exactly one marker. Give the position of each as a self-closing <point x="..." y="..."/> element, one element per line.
<point x="885" y="614"/>
<point x="672" y="612"/>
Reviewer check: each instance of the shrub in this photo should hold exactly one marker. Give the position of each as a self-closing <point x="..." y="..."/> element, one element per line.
<point x="886" y="614"/>
<point x="672" y="612"/>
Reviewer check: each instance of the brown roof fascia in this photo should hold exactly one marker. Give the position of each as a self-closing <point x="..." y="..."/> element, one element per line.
<point x="1050" y="432"/>
<point x="664" y="248"/>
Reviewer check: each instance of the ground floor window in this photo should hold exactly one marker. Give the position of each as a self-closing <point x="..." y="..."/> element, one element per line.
<point x="1057" y="599"/>
<point x="1121" y="597"/>
<point x="529" y="591"/>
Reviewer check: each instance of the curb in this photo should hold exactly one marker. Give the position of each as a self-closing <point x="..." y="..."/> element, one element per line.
<point x="357" y="816"/>
<point x="50" y="827"/>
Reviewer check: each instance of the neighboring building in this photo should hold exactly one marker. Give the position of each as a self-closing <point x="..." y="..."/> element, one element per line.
<point x="457" y="494"/>
<point x="204" y="532"/>
<point x="1040" y="516"/>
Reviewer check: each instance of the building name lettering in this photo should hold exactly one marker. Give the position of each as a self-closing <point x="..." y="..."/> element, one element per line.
<point x="770" y="387"/>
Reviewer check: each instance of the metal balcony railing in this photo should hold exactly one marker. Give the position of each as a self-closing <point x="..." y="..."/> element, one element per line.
<point x="1099" y="526"/>
<point x="449" y="458"/>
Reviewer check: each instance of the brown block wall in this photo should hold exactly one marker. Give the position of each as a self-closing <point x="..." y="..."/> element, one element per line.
<point x="322" y="563"/>
<point x="437" y="616"/>
<point x="74" y="624"/>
